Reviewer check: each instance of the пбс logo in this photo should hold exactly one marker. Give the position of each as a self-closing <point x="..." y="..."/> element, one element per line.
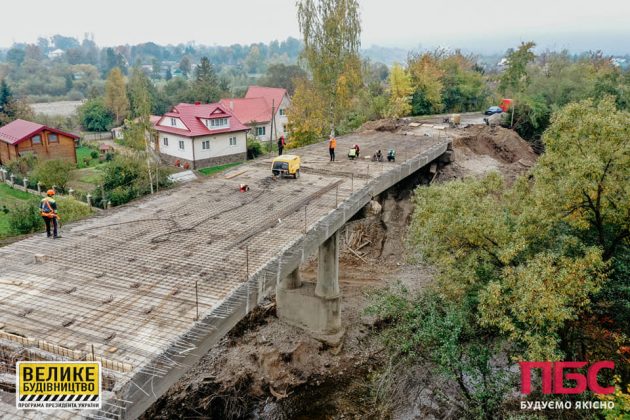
<point x="581" y="381"/>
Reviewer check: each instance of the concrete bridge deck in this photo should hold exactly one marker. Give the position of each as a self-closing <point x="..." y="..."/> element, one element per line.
<point x="149" y="287"/>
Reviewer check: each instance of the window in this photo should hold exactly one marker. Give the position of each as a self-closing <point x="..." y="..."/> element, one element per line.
<point x="52" y="138"/>
<point x="232" y="141"/>
<point x="181" y="145"/>
<point x="205" y="145"/>
<point x="174" y="122"/>
<point x="217" y="123"/>
<point x="37" y="139"/>
<point x="284" y="128"/>
<point x="282" y="111"/>
<point x="165" y="141"/>
<point x="260" y="131"/>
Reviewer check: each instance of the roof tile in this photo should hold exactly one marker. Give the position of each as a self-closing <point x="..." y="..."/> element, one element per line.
<point x="19" y="130"/>
<point x="191" y="115"/>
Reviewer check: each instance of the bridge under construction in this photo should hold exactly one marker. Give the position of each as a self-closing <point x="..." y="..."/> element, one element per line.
<point x="148" y="288"/>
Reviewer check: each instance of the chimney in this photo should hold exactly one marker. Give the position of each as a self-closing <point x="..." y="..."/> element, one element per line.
<point x="197" y="103"/>
<point x="232" y="105"/>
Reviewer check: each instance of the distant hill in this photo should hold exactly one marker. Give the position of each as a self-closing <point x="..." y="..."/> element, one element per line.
<point x="386" y="55"/>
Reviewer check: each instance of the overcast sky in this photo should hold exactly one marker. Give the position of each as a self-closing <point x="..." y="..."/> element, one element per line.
<point x="484" y="26"/>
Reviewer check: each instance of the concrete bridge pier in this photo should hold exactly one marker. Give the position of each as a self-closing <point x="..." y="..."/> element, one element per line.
<point x="315" y="307"/>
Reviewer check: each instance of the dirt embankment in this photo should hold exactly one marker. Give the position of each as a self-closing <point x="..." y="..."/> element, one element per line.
<point x="481" y="149"/>
<point x="267" y="369"/>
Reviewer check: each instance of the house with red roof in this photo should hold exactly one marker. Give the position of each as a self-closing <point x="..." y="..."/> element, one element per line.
<point x="21" y="138"/>
<point x="201" y="135"/>
<point x="263" y="109"/>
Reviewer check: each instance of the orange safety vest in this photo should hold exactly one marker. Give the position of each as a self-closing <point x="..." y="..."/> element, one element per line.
<point x="333" y="143"/>
<point x="46" y="209"/>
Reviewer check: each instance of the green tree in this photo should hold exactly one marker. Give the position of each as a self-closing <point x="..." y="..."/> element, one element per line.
<point x="529" y="117"/>
<point x="464" y="87"/>
<point x="307" y="119"/>
<point x="331" y="32"/>
<point x="12" y="108"/>
<point x="175" y="91"/>
<point x="532" y="257"/>
<point x="254" y="60"/>
<point x="6" y="96"/>
<point x="426" y="77"/>
<point x="400" y="90"/>
<point x="205" y="87"/>
<point x="116" y="95"/>
<point x="524" y="276"/>
<point x="95" y="116"/>
<point x="138" y="92"/>
<point x="588" y="149"/>
<point x="53" y="173"/>
<point x="284" y="76"/>
<point x="156" y="69"/>
<point x="126" y="178"/>
<point x="185" y="66"/>
<point x="514" y="79"/>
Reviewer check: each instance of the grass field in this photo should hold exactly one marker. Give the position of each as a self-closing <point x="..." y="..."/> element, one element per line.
<point x="82" y="153"/>
<point x="9" y="197"/>
<point x="214" y="169"/>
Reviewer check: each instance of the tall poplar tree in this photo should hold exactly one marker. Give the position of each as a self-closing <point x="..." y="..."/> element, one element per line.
<point x="331" y="31"/>
<point x="116" y="95"/>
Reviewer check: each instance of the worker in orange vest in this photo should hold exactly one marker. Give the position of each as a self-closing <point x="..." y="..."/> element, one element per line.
<point x="48" y="211"/>
<point x="332" y="144"/>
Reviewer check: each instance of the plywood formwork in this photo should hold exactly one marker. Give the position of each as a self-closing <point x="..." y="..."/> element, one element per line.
<point x="147" y="288"/>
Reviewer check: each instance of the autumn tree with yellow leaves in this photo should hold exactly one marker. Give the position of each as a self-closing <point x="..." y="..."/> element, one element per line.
<point x="400" y="91"/>
<point x="116" y="95"/>
<point x="331" y="32"/>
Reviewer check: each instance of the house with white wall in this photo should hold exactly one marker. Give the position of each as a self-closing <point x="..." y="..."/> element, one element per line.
<point x="263" y="109"/>
<point x="201" y="135"/>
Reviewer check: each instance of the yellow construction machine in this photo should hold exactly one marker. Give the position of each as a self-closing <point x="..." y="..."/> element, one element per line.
<point x="286" y="165"/>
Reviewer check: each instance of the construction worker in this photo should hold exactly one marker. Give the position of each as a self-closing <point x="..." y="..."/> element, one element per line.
<point x="332" y="144"/>
<point x="281" y="144"/>
<point x="48" y="211"/>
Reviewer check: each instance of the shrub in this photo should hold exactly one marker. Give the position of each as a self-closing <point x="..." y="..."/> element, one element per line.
<point x="25" y="218"/>
<point x="124" y="179"/>
<point x="254" y="148"/>
<point x="94" y="154"/>
<point x="53" y="172"/>
<point x="22" y="165"/>
<point x="70" y="209"/>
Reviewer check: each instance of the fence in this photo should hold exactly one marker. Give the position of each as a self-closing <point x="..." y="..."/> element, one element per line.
<point x="24" y="184"/>
<point x="97" y="136"/>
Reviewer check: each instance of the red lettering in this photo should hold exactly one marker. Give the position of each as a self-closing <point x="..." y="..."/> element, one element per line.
<point x="558" y="378"/>
<point x="593" y="385"/>
<point x="526" y="376"/>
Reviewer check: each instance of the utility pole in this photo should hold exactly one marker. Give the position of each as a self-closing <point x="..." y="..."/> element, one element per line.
<point x="271" y="136"/>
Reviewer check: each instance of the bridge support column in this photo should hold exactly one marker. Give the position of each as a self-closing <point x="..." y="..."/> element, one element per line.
<point x="328" y="268"/>
<point x="315" y="308"/>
